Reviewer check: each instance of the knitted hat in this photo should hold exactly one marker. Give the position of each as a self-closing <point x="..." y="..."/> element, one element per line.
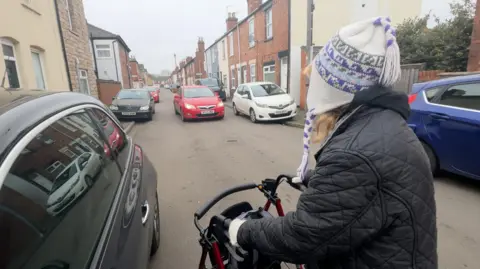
<point x="360" y="55"/>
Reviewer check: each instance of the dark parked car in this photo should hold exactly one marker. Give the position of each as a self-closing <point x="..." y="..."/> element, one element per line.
<point x="215" y="85"/>
<point x="446" y="118"/>
<point x="69" y="196"/>
<point x="133" y="104"/>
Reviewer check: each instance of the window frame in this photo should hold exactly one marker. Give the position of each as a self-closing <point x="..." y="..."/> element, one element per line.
<point x="42" y="66"/>
<point x="81" y="77"/>
<point x="251" y="32"/>
<point x="230" y="41"/>
<point x="9" y="43"/>
<point x="69" y="14"/>
<point x="253" y="78"/>
<point x="223" y="49"/>
<point x="232" y="79"/>
<point x="103" y="49"/>
<point x="268" y="24"/>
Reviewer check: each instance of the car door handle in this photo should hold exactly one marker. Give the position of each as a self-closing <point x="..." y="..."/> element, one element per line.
<point x="145" y="212"/>
<point x="440" y="116"/>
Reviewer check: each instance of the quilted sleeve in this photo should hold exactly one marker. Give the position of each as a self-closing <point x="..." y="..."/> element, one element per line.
<point x="332" y="216"/>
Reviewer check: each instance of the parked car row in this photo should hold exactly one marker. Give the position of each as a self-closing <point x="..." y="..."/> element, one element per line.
<point x="446" y="118"/>
<point x="135" y="103"/>
<point x="75" y="189"/>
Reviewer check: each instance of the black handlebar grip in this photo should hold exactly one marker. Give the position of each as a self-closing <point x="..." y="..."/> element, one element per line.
<point x="207" y="206"/>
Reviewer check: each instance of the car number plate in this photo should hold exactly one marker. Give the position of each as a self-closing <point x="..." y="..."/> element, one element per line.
<point x="206" y="112"/>
<point x="280" y="112"/>
<point x="129" y="113"/>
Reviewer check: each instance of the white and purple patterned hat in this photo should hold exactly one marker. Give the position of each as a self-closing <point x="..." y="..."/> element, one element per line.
<point x="359" y="56"/>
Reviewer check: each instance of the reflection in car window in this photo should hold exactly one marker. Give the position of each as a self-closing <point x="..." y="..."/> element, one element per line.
<point x="266" y="90"/>
<point x="50" y="210"/>
<point x="116" y="138"/>
<point x="462" y="96"/>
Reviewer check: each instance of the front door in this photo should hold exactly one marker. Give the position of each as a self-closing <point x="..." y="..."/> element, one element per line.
<point x="284" y="73"/>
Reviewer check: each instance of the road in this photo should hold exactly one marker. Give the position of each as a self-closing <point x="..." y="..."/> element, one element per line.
<point x="196" y="160"/>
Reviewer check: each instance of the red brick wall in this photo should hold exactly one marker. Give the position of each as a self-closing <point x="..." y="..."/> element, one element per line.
<point x="474" y="53"/>
<point x="134" y="70"/>
<point x="264" y="50"/>
<point x="124" y="59"/>
<point x="107" y="89"/>
<point x="253" y="4"/>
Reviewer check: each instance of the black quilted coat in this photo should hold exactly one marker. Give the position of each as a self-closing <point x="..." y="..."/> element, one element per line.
<point x="369" y="202"/>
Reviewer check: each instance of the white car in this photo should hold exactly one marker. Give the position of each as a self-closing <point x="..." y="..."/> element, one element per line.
<point x="74" y="180"/>
<point x="263" y="101"/>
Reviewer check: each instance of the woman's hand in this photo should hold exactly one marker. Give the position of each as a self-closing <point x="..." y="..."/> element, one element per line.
<point x="233" y="230"/>
<point x="306" y="178"/>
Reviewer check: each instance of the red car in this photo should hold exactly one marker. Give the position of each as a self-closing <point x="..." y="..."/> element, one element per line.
<point x="155" y="93"/>
<point x="114" y="138"/>
<point x="197" y="102"/>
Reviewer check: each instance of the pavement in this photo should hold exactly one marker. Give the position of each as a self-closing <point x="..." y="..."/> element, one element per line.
<point x="196" y="160"/>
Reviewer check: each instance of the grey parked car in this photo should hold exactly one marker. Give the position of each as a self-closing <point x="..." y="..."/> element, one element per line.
<point x="46" y="141"/>
<point x="133" y="104"/>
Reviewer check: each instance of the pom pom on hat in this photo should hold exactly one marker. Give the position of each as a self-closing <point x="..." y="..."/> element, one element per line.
<point x="359" y="56"/>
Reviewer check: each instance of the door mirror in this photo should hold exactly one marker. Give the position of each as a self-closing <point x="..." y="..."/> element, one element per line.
<point x="176" y="96"/>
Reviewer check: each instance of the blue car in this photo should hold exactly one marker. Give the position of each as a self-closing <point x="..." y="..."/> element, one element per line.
<point x="446" y="118"/>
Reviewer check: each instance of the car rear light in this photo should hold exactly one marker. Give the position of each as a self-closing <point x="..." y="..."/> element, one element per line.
<point x="216" y="93"/>
<point x="412" y="98"/>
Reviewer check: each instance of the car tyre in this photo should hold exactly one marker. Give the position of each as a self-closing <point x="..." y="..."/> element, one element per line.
<point x="235" y="111"/>
<point x="253" y="116"/>
<point x="88" y="181"/>
<point x="176" y="112"/>
<point x="150" y="116"/>
<point x="431" y="157"/>
<point x="156" y="228"/>
<point x="182" y="117"/>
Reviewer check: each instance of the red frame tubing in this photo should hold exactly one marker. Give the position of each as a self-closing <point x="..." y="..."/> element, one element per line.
<point x="267" y="205"/>
<point x="203" y="259"/>
<point x="217" y="256"/>
<point x="278" y="205"/>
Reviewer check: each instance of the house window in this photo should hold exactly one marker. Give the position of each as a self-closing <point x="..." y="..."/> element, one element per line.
<point x="251" y="32"/>
<point x="103" y="51"/>
<point x="268" y="24"/>
<point x="68" y="152"/>
<point x="230" y="40"/>
<point x="223" y="49"/>
<point x="38" y="70"/>
<point x="55" y="166"/>
<point x="69" y="7"/>
<point x="83" y="80"/>
<point x="253" y="75"/>
<point x="269" y="73"/>
<point x="233" y="78"/>
<point x="10" y="64"/>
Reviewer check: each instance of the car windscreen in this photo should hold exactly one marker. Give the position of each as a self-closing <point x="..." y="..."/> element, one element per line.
<point x="133" y="95"/>
<point x="210" y="82"/>
<point x="197" y="92"/>
<point x="262" y="90"/>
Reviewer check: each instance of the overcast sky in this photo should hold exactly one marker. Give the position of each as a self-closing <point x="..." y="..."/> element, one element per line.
<point x="156" y="29"/>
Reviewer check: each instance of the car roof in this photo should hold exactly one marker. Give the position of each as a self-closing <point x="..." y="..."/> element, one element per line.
<point x="194" y="86"/>
<point x="257" y="83"/>
<point x="445" y="81"/>
<point x="22" y="110"/>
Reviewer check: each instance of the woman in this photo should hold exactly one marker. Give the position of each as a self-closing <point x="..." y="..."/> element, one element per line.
<point x="370" y="198"/>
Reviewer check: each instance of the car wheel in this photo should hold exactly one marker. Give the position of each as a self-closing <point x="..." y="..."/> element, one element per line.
<point x="182" y="117"/>
<point x="175" y="109"/>
<point x="156" y="228"/>
<point x="253" y="116"/>
<point x="431" y="157"/>
<point x="150" y="116"/>
<point x="88" y="181"/>
<point x="235" y="111"/>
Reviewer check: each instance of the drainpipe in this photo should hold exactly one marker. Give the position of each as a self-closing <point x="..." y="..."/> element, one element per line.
<point x="115" y="58"/>
<point x="94" y="55"/>
<point x="289" y="44"/>
<point x="63" y="45"/>
<point x="129" y="71"/>
<point x="239" y="55"/>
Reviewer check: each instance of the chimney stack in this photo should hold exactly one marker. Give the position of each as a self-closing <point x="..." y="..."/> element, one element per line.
<point x="253" y="4"/>
<point x="231" y="21"/>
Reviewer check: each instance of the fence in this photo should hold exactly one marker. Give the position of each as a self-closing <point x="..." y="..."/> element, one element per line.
<point x="107" y="89"/>
<point x="410" y="73"/>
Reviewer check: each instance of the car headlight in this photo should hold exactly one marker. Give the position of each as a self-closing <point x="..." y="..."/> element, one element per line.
<point x="113" y="107"/>
<point x="291" y="102"/>
<point x="144" y="108"/>
<point x="261" y="105"/>
<point x="189" y="106"/>
<point x="220" y="104"/>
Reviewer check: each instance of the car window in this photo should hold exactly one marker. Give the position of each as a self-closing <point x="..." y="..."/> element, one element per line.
<point x="197" y="92"/>
<point x="117" y="139"/>
<point x="240" y="89"/>
<point x="269" y="89"/>
<point x="83" y="160"/>
<point x="462" y="96"/>
<point x="133" y="94"/>
<point x="431" y="93"/>
<point x="50" y="212"/>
